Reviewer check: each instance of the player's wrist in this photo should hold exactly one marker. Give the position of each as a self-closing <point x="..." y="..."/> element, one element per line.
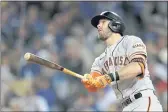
<point x="114" y="76"/>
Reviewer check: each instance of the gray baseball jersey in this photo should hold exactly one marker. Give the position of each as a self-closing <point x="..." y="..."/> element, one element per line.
<point x="119" y="55"/>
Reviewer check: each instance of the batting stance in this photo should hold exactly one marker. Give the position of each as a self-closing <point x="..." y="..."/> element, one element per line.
<point x="123" y="65"/>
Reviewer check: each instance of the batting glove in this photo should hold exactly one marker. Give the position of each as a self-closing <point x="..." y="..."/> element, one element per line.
<point x="102" y="81"/>
<point x="88" y="82"/>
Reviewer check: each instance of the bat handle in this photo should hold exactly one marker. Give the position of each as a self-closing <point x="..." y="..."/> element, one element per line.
<point x="72" y="73"/>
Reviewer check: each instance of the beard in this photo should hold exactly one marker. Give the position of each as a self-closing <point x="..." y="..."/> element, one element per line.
<point x="104" y="35"/>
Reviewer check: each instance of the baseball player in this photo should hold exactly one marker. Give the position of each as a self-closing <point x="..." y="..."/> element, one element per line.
<point x="123" y="65"/>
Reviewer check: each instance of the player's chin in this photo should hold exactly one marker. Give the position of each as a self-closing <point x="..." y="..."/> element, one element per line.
<point x="101" y="38"/>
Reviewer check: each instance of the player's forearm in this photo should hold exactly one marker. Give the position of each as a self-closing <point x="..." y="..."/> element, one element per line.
<point x="129" y="71"/>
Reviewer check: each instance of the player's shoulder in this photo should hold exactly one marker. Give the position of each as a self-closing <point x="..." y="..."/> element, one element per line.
<point x="134" y="41"/>
<point x="131" y="37"/>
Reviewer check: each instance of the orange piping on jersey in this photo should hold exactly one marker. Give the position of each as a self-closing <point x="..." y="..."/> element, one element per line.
<point x="149" y="104"/>
<point x="95" y="74"/>
<point x="135" y="53"/>
<point x="142" y="69"/>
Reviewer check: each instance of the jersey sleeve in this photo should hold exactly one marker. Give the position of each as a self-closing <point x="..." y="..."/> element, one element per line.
<point x="135" y="46"/>
<point x="96" y="66"/>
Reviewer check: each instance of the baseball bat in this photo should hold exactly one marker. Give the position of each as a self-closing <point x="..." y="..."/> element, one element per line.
<point x="39" y="60"/>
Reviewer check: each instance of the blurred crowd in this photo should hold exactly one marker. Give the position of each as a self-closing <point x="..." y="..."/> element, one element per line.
<point x="61" y="32"/>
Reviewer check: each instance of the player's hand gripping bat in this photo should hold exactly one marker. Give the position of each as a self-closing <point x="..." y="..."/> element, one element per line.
<point x="38" y="60"/>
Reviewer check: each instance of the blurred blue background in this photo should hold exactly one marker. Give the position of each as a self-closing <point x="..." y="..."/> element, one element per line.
<point x="61" y="32"/>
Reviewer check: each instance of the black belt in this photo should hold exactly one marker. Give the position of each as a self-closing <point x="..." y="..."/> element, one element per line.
<point x="128" y="100"/>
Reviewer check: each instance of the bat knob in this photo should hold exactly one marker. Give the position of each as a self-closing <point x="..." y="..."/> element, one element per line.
<point x="27" y="56"/>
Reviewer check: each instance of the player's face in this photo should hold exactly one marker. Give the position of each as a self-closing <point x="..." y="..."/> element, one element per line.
<point x="103" y="29"/>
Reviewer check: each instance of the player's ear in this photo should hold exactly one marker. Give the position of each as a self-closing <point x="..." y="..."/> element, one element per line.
<point x="114" y="26"/>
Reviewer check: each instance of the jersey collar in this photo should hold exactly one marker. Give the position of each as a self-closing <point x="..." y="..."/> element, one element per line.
<point x="116" y="42"/>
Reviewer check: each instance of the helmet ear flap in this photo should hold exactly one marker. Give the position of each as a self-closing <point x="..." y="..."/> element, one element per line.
<point x="115" y="26"/>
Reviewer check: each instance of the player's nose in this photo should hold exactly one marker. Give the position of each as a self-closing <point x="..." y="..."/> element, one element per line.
<point x="99" y="27"/>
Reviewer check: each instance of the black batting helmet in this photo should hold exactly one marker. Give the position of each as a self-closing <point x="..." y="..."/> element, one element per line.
<point x="116" y="25"/>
